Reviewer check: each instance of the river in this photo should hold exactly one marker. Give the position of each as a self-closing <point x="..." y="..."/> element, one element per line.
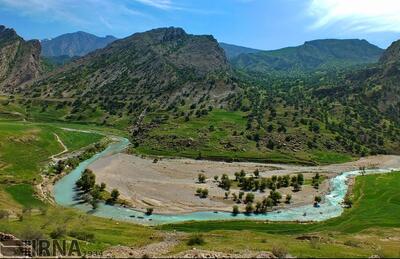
<point x="65" y="195"/>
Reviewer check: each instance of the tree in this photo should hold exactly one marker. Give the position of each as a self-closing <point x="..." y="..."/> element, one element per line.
<point x="259" y="206"/>
<point x="201" y="178"/>
<point x="149" y="211"/>
<point x="276" y="197"/>
<point x="268" y="202"/>
<point x="263" y="185"/>
<point x="94" y="203"/>
<point x="348" y="202"/>
<point x="235" y="210"/>
<point x="114" y="195"/>
<point x="270" y="144"/>
<point x="296" y="187"/>
<point x="204" y="193"/>
<point x="216" y="178"/>
<point x="237" y="176"/>
<point x="288" y="198"/>
<point x="256" y="173"/>
<point x="234" y="197"/>
<point x="225" y="182"/>
<point x="102" y="187"/>
<point x="227" y="195"/>
<point x="362" y="170"/>
<point x="249" y="198"/>
<point x="87" y="180"/>
<point x="241" y="195"/>
<point x="300" y="178"/>
<point x="249" y="208"/>
<point x="317" y="200"/>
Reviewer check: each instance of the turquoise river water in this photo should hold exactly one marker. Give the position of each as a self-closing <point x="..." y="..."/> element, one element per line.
<point x="66" y="195"/>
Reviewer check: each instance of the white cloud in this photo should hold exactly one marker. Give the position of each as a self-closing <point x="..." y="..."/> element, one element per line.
<point x="357" y="15"/>
<point x="77" y="12"/>
<point x="161" y="4"/>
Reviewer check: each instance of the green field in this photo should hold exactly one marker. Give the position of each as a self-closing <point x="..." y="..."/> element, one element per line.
<point x="375" y="215"/>
<point x="24" y="194"/>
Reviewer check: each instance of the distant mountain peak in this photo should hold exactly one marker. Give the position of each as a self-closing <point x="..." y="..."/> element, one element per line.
<point x="73" y="44"/>
<point x="312" y="55"/>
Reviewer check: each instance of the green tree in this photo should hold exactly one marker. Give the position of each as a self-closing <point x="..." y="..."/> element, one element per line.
<point x="249" y="198"/>
<point x="276" y="197"/>
<point x="201" y="178"/>
<point x="288" y="198"/>
<point x="235" y="210"/>
<point x="114" y="195"/>
<point x="249" y="208"/>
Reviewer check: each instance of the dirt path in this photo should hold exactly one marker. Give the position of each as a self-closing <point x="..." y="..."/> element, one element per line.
<point x="62" y="144"/>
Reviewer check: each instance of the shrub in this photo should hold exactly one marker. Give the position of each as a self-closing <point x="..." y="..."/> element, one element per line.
<point x="59" y="232"/>
<point x="201" y="178"/>
<point x="82" y="235"/>
<point x="196" y="240"/>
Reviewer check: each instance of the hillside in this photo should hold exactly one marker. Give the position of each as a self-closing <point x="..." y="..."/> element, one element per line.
<point x="232" y="51"/>
<point x="19" y="59"/>
<point x="156" y="69"/>
<point x="177" y="96"/>
<point x="378" y="86"/>
<point x="311" y="56"/>
<point x="74" y="44"/>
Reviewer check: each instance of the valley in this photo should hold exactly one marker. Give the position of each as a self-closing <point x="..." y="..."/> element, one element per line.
<point x="168" y="144"/>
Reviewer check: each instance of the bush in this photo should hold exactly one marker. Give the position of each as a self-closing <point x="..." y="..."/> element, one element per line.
<point x="201" y="178"/>
<point x="196" y="240"/>
<point x="59" y="232"/>
<point x="82" y="235"/>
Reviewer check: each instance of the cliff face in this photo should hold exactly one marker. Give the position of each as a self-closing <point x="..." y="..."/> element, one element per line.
<point x="19" y="59"/>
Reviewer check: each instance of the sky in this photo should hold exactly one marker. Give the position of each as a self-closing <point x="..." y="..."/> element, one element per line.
<point x="261" y="24"/>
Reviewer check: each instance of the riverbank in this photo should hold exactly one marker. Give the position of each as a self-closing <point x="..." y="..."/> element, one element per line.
<point x="169" y="185"/>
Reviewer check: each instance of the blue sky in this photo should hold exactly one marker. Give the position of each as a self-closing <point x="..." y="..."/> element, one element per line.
<point x="263" y="24"/>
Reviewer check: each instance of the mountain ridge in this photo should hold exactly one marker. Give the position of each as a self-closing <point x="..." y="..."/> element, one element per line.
<point x="74" y="44"/>
<point x="19" y="59"/>
<point x="232" y="50"/>
<point x="312" y="55"/>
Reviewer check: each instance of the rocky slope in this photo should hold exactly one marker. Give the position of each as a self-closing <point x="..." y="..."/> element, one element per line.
<point x="74" y="44"/>
<point x="157" y="68"/>
<point x="19" y="59"/>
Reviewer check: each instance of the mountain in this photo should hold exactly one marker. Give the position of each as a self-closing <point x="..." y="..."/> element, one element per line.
<point x="74" y="44"/>
<point x="311" y="56"/>
<point x="19" y="59"/>
<point x="156" y="68"/>
<point x="232" y="51"/>
<point x="379" y="86"/>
